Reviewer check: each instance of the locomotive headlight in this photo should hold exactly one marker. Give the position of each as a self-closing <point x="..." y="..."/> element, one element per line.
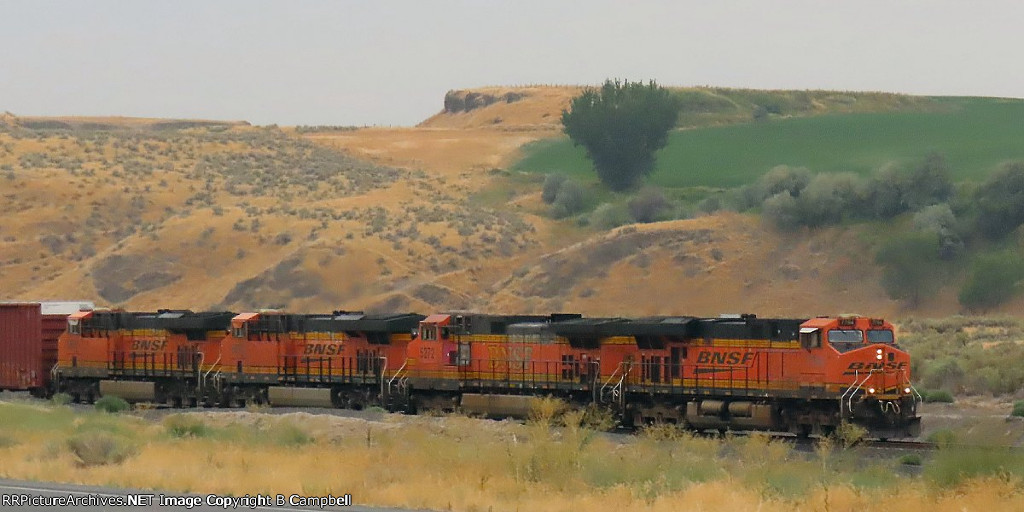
<point x="878" y="354"/>
<point x="871" y="390"/>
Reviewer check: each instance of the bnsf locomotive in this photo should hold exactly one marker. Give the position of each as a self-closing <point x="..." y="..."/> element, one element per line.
<point x="738" y="372"/>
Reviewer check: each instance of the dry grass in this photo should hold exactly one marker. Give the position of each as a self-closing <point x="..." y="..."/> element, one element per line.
<point x="439" y="464"/>
<point x="204" y="216"/>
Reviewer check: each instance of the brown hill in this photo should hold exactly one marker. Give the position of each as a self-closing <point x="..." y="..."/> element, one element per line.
<point x="154" y="214"/>
<point x="505" y="108"/>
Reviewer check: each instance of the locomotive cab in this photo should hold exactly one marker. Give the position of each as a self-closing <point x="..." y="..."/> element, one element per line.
<point x="869" y="371"/>
<point x="435" y="340"/>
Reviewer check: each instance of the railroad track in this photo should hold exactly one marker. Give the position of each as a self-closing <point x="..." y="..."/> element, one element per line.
<point x="909" y="445"/>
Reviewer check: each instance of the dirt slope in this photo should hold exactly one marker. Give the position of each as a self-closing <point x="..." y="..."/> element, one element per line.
<point x="209" y="214"/>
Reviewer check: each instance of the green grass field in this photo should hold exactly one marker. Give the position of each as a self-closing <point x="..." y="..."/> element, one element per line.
<point x="975" y="135"/>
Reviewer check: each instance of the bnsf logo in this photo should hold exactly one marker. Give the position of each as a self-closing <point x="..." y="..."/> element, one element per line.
<point x="323" y="349"/>
<point x="734" y="358"/>
<point x="149" y="345"/>
<point x="862" y="366"/>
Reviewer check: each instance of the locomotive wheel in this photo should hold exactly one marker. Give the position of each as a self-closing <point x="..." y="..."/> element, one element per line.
<point x="803" y="431"/>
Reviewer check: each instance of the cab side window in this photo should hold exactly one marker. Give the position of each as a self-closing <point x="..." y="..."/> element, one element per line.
<point x="810" y="339"/>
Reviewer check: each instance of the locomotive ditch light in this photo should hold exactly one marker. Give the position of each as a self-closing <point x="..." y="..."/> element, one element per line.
<point x="906" y="390"/>
<point x="871" y="391"/>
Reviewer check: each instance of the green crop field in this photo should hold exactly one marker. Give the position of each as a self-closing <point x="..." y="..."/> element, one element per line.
<point x="975" y="135"/>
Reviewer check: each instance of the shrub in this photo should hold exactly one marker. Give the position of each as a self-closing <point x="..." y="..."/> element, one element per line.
<point x="783" y="178"/>
<point x="943" y="437"/>
<point x="993" y="280"/>
<point x="182" y="425"/>
<point x="893" y="190"/>
<point x="1000" y="201"/>
<point x="60" y="399"/>
<point x="552" y="182"/>
<point x="937" y="218"/>
<point x="648" y="205"/>
<point x="884" y="194"/>
<point x="928" y="183"/>
<point x="781" y="210"/>
<point x="710" y="204"/>
<point x="1018" y="408"/>
<point x="608" y="216"/>
<point x="938" y="395"/>
<point x="570" y="200"/>
<point x="940" y="220"/>
<point x="911" y="459"/>
<point x="547" y="411"/>
<point x="850" y="433"/>
<point x="99" y="448"/>
<point x="910" y="266"/>
<point x="288" y="434"/>
<point x="112" y="404"/>
<point x="944" y="373"/>
<point x="951" y="467"/>
<point x="828" y="199"/>
<point x="779" y="179"/>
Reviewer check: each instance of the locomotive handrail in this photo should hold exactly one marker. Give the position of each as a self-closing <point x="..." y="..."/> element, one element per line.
<point x="854" y="388"/>
<point x="383" y="373"/>
<point x="202" y="356"/>
<point x="611" y="377"/>
<point x="396" y="375"/>
<point x="917" y="395"/>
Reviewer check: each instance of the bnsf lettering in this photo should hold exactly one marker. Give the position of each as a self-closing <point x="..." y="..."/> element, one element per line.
<point x="514" y="354"/>
<point x="149" y="345"/>
<point x="730" y="358"/>
<point x="322" y="349"/>
<point x="861" y="366"/>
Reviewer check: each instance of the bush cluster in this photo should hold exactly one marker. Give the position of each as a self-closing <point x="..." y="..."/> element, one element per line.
<point x="993" y="280"/>
<point x="962" y="355"/>
<point x="792" y="198"/>
<point x="946" y="220"/>
<point x="112" y="404"/>
<point x="100" y="448"/>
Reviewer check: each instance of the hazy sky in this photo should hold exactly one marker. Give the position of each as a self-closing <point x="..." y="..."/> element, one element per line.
<point x="390" y="63"/>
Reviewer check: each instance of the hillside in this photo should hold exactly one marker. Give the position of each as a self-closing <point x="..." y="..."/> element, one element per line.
<point x="975" y="135"/>
<point x="147" y="214"/>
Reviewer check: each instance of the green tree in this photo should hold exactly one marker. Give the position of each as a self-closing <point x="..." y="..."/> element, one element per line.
<point x="911" y="264"/>
<point x="621" y="126"/>
<point x="994" y="279"/>
<point x="1000" y="201"/>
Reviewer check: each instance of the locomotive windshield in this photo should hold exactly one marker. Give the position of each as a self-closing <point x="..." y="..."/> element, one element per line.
<point x="845" y="340"/>
<point x="880" y="336"/>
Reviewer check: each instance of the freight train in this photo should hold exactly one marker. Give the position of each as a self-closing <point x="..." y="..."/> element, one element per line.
<point x="739" y="372"/>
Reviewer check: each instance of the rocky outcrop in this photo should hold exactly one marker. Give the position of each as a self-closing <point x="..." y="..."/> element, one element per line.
<point x="465" y="101"/>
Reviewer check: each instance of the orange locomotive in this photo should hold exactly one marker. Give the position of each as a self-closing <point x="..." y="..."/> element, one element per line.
<point x="737" y="372"/>
<point x="164" y="356"/>
<point x="334" y="360"/>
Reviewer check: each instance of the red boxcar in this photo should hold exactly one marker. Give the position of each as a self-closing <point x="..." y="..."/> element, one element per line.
<point x="28" y="342"/>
